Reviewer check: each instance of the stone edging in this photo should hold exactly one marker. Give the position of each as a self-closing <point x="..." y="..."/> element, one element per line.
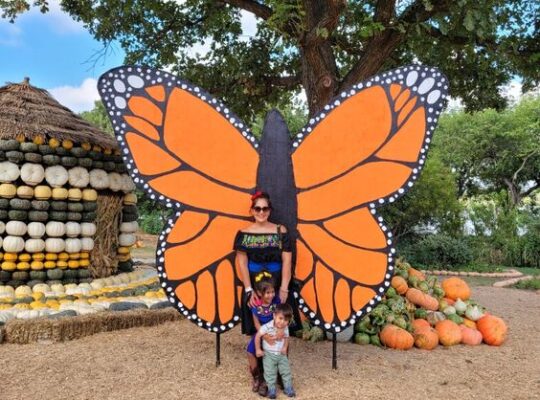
<point x="511" y="273"/>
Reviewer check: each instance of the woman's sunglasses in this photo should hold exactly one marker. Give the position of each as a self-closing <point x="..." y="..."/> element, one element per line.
<point x="261" y="209"/>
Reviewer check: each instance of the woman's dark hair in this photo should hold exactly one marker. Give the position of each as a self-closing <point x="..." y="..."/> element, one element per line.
<point x="284" y="309"/>
<point x="260" y="195"/>
<point x="263" y="282"/>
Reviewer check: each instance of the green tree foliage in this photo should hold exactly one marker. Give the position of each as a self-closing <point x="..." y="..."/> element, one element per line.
<point x="492" y="151"/>
<point x="321" y="46"/>
<point x="98" y="117"/>
<point x="432" y="203"/>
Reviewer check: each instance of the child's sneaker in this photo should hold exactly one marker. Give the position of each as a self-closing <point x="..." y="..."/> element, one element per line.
<point x="289" y="391"/>
<point x="272" y="393"/>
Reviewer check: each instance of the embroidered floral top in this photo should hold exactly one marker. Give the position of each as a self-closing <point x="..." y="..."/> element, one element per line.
<point x="265" y="313"/>
<point x="262" y="247"/>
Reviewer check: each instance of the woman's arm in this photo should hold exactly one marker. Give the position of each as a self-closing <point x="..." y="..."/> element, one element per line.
<point x="241" y="261"/>
<point x="286" y="268"/>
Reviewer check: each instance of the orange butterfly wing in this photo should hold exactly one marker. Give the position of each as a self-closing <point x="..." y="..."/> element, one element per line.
<point x="365" y="149"/>
<point x="188" y="151"/>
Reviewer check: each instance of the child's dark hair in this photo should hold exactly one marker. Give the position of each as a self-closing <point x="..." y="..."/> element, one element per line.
<point x="263" y="282"/>
<point x="285" y="310"/>
<point x="260" y="195"/>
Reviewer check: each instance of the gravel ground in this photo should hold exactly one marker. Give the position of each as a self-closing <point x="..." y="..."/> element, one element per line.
<point x="177" y="361"/>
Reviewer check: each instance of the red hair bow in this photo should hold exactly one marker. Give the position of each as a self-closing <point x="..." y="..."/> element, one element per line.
<point x="256" y="195"/>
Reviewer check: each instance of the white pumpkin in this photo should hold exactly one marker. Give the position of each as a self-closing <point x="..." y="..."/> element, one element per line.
<point x="99" y="179"/>
<point x="73" y="229"/>
<point x="23" y="291"/>
<point x="126" y="239"/>
<point x="16" y="228"/>
<point x="5" y="315"/>
<point x="2" y="227"/>
<point x="1" y="241"/>
<point x="13" y="244"/>
<point x="32" y="174"/>
<point x="36" y="229"/>
<point x="88" y="229"/>
<point x="127" y="184"/>
<point x="73" y="245"/>
<point x="41" y="288"/>
<point x="78" y="177"/>
<point x="9" y="172"/>
<point x="57" y="288"/>
<point x="55" y="245"/>
<point x="7" y="291"/>
<point x="115" y="181"/>
<point x="87" y="244"/>
<point x="129" y="227"/>
<point x="34" y="245"/>
<point x="56" y="176"/>
<point x="25" y="192"/>
<point x="55" y="229"/>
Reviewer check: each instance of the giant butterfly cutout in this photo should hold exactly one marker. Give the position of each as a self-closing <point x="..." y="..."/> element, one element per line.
<point x="187" y="150"/>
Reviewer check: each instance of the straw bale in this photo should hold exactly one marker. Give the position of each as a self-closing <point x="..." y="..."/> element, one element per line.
<point x="30" y="111"/>
<point x="69" y="328"/>
<point x="103" y="260"/>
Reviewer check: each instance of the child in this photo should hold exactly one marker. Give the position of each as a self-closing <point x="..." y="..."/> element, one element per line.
<point x="275" y="355"/>
<point x="262" y="313"/>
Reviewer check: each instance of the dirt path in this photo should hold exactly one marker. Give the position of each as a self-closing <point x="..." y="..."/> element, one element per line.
<point x="176" y="361"/>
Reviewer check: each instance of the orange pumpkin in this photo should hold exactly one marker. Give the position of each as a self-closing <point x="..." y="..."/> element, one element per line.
<point x="493" y="329"/>
<point x="396" y="338"/>
<point x="419" y="323"/>
<point x="400" y="284"/>
<point x="469" y="323"/>
<point x="449" y="332"/>
<point x="470" y="336"/>
<point x="416" y="273"/>
<point x="419" y="298"/>
<point x="456" y="288"/>
<point x="426" y="338"/>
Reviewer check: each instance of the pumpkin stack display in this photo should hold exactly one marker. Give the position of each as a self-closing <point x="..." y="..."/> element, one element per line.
<point x="423" y="312"/>
<point x="53" y="168"/>
<point x="128" y="228"/>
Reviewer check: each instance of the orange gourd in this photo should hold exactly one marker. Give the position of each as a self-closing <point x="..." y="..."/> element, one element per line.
<point x="400" y="284"/>
<point x="416" y="273"/>
<point x="419" y="298"/>
<point x="449" y="301"/>
<point x="426" y="338"/>
<point x="470" y="336"/>
<point x="456" y="288"/>
<point x="396" y="338"/>
<point x="449" y="332"/>
<point x="493" y="329"/>
<point x="469" y="323"/>
<point x="419" y="323"/>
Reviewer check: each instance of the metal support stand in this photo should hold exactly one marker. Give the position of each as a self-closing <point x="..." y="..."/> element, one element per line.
<point x="334" y="351"/>
<point x="218" y="349"/>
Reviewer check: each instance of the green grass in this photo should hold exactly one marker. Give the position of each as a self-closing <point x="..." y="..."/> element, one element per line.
<point x="531" y="284"/>
<point x="529" y="271"/>
<point x="480" y="280"/>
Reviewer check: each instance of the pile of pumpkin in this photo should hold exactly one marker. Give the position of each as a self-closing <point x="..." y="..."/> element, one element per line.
<point x="419" y="311"/>
<point x="48" y="203"/>
<point x="126" y="291"/>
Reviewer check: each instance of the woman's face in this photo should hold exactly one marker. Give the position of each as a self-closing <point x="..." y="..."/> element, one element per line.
<point x="260" y="210"/>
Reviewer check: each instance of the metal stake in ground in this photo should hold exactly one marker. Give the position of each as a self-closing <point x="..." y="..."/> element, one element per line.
<point x="218" y="349"/>
<point x="334" y="351"/>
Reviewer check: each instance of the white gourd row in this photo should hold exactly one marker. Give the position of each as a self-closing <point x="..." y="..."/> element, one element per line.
<point x="57" y="176"/>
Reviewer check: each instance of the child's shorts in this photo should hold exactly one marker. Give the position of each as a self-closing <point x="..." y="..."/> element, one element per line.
<point x="251" y="346"/>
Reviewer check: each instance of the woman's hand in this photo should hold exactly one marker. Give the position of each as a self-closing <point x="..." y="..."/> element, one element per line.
<point x="283" y="294"/>
<point x="253" y="300"/>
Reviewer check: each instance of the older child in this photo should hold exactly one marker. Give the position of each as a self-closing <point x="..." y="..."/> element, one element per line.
<point x="275" y="355"/>
<point x="262" y="312"/>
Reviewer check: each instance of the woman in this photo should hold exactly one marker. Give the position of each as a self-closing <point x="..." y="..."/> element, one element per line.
<point x="263" y="246"/>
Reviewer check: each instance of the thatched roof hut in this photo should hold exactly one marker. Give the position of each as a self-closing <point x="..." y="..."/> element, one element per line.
<point x="78" y="178"/>
<point x="30" y="111"/>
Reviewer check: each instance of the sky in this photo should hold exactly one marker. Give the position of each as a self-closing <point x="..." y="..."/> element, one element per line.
<point x="58" y="54"/>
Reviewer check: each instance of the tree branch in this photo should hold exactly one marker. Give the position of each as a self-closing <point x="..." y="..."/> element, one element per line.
<point x="326" y="24"/>
<point x="254" y="7"/>
<point x="514" y="177"/>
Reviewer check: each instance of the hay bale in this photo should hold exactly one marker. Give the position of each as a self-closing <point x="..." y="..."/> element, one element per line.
<point x="69" y="328"/>
<point x="103" y="260"/>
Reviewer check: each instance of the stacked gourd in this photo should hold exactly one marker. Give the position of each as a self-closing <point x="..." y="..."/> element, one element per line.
<point x="48" y="203"/>
<point x="127" y="237"/>
<point x="126" y="291"/>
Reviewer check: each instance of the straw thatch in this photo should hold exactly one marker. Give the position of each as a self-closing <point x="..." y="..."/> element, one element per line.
<point x="30" y="111"/>
<point x="68" y="328"/>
